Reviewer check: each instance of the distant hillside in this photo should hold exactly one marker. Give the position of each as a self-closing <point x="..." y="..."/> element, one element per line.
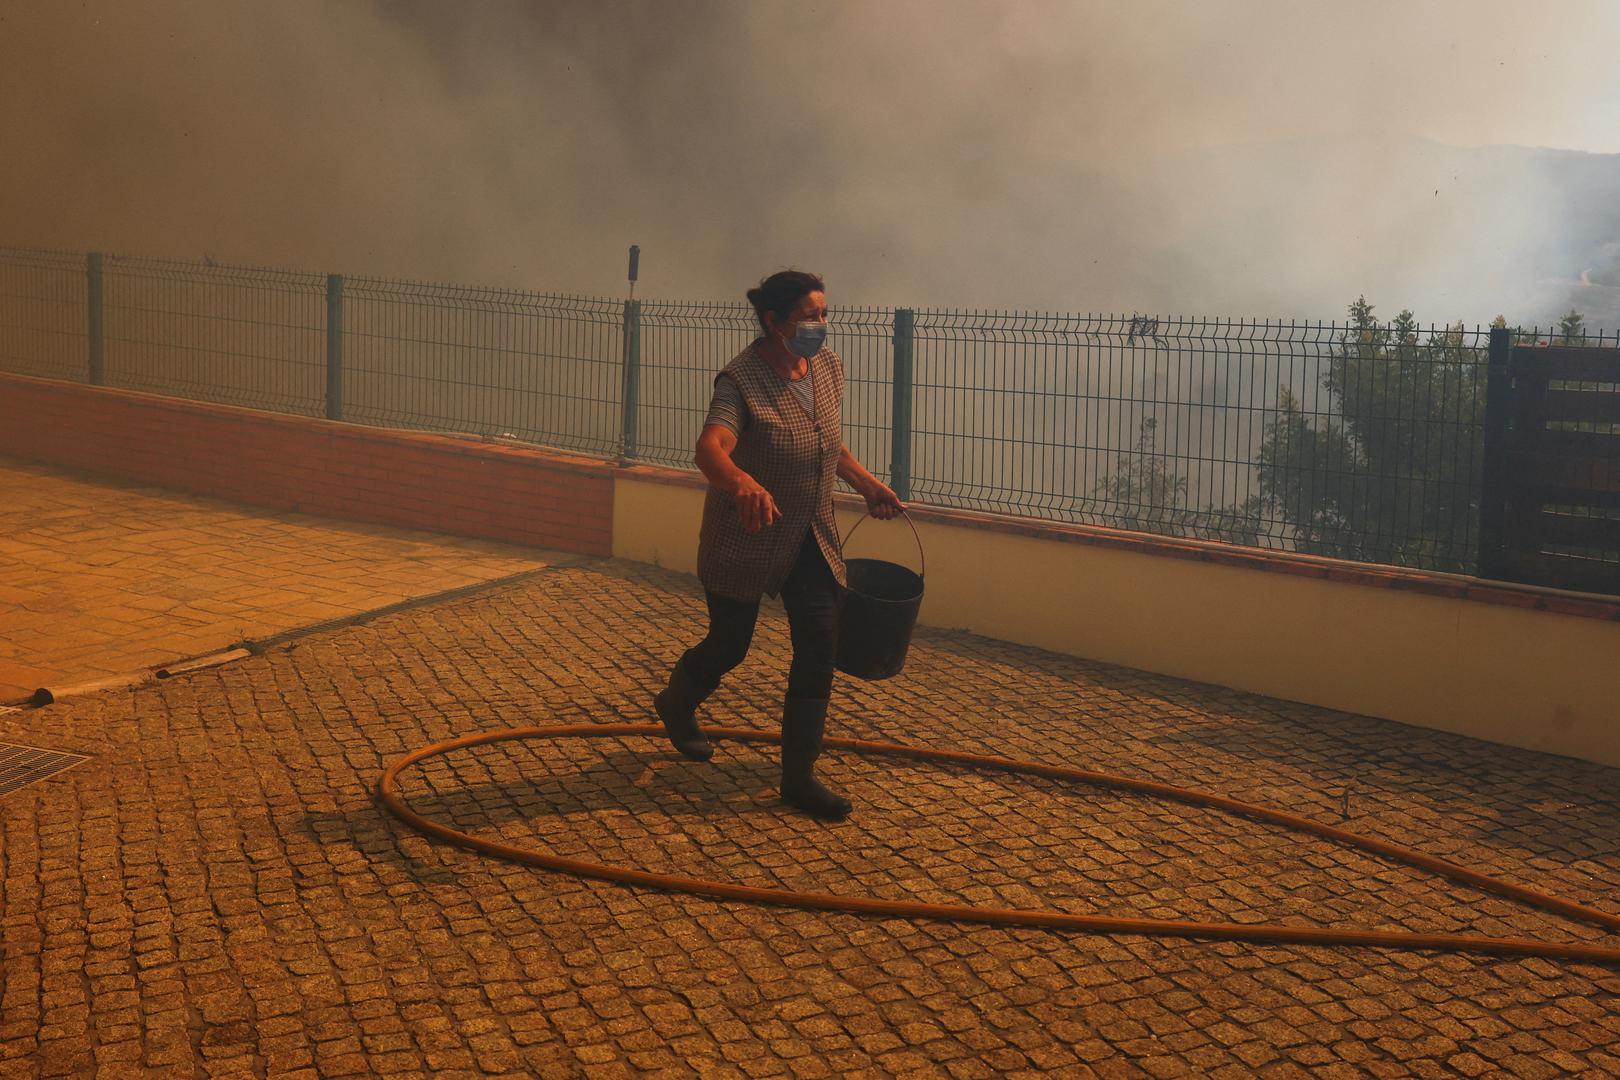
<point x="1449" y="232"/>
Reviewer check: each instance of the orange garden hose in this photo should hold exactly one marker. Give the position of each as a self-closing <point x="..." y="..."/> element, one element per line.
<point x="1296" y="935"/>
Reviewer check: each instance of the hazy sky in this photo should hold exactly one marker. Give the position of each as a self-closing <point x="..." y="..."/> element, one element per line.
<point x="1028" y="154"/>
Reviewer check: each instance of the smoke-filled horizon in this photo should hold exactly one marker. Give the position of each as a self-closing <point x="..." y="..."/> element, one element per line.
<point x="1244" y="157"/>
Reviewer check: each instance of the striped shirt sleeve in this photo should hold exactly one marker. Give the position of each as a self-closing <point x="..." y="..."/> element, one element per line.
<point x="727" y="408"/>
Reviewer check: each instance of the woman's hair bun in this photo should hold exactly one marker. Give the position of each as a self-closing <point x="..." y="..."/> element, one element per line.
<point x="782" y="291"/>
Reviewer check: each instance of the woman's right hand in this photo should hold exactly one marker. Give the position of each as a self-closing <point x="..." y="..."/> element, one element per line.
<point x="755" y="505"/>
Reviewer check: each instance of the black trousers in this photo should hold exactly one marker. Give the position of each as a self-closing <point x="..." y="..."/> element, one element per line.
<point x="811" y="597"/>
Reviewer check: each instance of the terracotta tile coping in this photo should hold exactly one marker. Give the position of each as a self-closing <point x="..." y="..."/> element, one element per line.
<point x="1431" y="583"/>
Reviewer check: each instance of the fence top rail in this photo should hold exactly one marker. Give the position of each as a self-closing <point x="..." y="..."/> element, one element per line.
<point x="692" y="314"/>
<point x="740" y="317"/>
<point x="745" y="308"/>
<point x="1135" y="329"/>
<point x="1149" y="328"/>
<point x="67" y="260"/>
<point x="148" y="266"/>
<point x="407" y="289"/>
<point x="727" y="307"/>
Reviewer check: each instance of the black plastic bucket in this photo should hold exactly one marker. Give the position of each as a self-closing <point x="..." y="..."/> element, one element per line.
<point x="879" y="612"/>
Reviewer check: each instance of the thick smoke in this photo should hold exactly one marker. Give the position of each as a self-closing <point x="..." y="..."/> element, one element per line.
<point x="1252" y="158"/>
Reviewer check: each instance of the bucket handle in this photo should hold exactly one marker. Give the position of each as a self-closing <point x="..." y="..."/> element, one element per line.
<point x="921" y="558"/>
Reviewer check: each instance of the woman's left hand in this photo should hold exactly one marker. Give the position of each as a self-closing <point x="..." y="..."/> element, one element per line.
<point x="881" y="502"/>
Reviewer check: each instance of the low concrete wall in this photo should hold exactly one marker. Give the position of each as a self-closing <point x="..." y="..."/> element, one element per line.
<point x="1534" y="668"/>
<point x="1529" y="667"/>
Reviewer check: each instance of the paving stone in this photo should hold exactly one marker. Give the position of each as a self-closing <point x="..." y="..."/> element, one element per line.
<point x="217" y="892"/>
<point x="103" y="578"/>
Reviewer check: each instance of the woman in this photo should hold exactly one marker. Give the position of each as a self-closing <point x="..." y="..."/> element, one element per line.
<point x="770" y="449"/>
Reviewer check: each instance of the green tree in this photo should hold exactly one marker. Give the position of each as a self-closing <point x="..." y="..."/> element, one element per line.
<point x="1242" y="523"/>
<point x="1388" y="472"/>
<point x="1145" y="493"/>
<point x="1572" y="328"/>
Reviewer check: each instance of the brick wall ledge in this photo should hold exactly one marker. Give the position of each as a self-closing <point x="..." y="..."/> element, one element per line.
<point x="470" y="445"/>
<point x="1427" y="582"/>
<point x="458" y="484"/>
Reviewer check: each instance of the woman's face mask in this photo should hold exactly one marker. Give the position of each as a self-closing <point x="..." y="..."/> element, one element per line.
<point x="808" y="338"/>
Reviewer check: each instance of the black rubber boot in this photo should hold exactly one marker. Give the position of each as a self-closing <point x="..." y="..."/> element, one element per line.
<point x="676" y="706"/>
<point x="803" y="724"/>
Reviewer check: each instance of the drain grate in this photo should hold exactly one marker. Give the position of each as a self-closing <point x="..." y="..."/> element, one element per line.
<point x="22" y="765"/>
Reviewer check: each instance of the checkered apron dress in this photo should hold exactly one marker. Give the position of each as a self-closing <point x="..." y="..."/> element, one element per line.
<point x="794" y="456"/>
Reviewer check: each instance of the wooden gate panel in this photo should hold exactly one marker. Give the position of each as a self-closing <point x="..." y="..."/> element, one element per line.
<point x="1550" y="507"/>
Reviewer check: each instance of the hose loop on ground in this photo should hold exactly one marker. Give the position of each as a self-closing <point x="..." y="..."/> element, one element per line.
<point x="388" y="793"/>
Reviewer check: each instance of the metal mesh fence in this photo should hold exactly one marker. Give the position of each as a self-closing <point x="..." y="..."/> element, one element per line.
<point x="229" y="334"/>
<point x="1358" y="439"/>
<point x="542" y="369"/>
<point x="43" y="316"/>
<point x="684" y="345"/>
<point x="1276" y="434"/>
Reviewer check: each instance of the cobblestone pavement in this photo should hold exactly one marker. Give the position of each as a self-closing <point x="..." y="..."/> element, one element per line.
<point x="217" y="893"/>
<point x="102" y="578"/>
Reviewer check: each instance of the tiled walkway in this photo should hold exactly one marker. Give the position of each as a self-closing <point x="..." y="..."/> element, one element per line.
<point x="217" y="893"/>
<point x="102" y="579"/>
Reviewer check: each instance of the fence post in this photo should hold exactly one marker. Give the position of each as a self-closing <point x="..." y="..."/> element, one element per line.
<point x="631" y="394"/>
<point x="334" y="346"/>
<point x="1493" y="470"/>
<point x="94" y="327"/>
<point x="900" y="427"/>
